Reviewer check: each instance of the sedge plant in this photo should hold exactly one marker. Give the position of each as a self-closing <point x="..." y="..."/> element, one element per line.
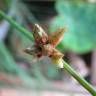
<point x="46" y="42"/>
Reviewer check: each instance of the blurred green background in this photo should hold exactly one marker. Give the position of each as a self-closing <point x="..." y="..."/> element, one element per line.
<point x="77" y="16"/>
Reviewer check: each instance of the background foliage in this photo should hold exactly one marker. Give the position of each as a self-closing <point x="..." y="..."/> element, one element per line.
<point x="80" y="20"/>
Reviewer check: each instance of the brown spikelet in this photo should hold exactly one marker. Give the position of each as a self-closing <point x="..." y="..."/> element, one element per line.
<point x="39" y="34"/>
<point x="45" y="44"/>
<point x="57" y="36"/>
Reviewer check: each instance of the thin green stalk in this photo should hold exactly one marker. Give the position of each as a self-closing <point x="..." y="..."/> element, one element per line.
<point x="16" y="25"/>
<point x="82" y="81"/>
<point x="71" y="71"/>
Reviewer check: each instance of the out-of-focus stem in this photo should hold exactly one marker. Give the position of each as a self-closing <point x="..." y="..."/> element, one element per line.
<point x="16" y="25"/>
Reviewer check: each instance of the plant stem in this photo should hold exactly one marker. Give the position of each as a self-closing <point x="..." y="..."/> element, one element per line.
<point x="71" y="71"/>
<point x="82" y="81"/>
<point x="16" y="25"/>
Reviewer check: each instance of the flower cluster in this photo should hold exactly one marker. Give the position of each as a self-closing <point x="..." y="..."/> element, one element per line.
<point x="45" y="45"/>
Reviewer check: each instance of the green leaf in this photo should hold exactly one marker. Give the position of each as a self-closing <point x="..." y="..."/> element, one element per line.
<point x="80" y="20"/>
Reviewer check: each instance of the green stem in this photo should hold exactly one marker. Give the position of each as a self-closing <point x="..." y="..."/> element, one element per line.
<point x="71" y="71"/>
<point x="16" y="25"/>
<point x="82" y="81"/>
